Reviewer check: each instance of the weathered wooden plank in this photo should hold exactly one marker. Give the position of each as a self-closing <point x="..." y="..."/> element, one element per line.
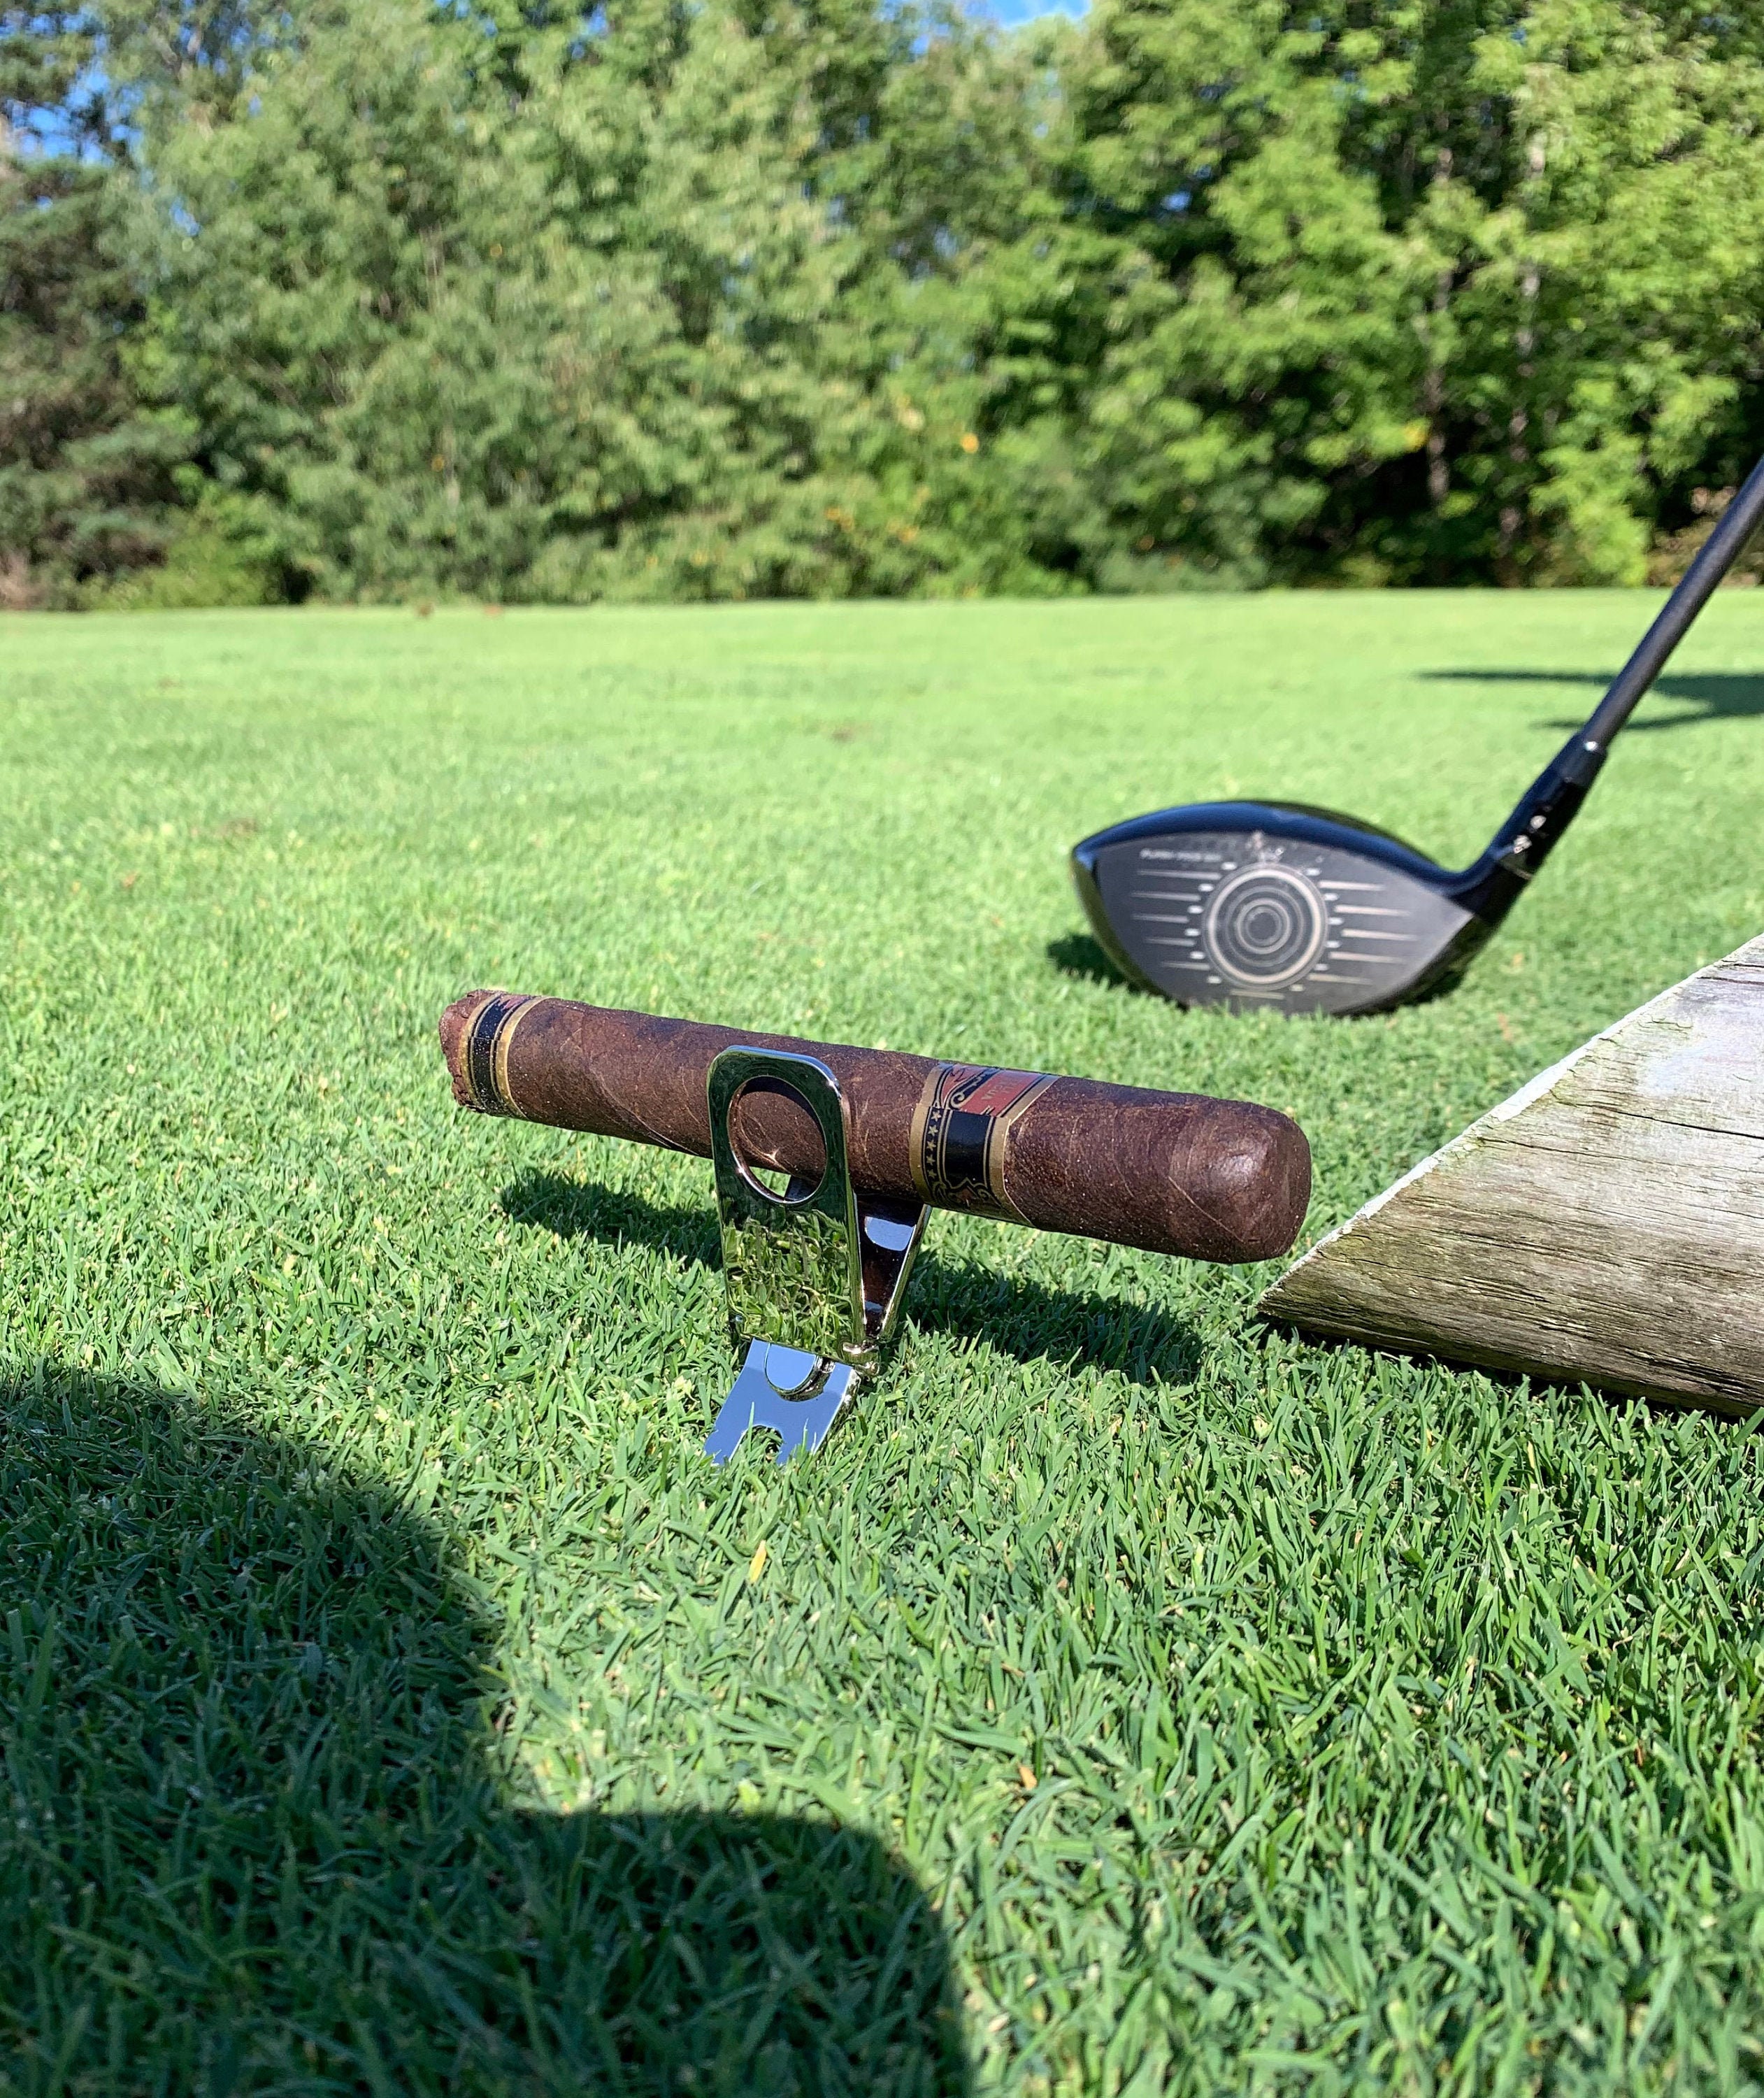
<point x="1605" y="1223"/>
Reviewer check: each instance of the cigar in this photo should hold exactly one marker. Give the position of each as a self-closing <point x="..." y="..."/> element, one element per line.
<point x="1172" y="1173"/>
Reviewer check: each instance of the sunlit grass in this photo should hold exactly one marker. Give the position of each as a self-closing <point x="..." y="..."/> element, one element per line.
<point x="391" y="1696"/>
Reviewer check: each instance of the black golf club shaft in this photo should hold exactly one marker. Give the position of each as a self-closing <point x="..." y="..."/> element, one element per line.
<point x="1714" y="557"/>
<point x="1493" y="884"/>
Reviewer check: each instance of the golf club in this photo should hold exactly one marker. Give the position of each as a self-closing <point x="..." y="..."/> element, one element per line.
<point x="1277" y="904"/>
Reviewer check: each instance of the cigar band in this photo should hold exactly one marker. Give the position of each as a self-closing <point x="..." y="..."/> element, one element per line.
<point x="960" y="1133"/>
<point x="484" y="1063"/>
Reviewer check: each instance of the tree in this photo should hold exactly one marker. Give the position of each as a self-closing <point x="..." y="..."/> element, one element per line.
<point x="1424" y="289"/>
<point x="507" y="308"/>
<point x="377" y="297"/>
<point x="88" y="483"/>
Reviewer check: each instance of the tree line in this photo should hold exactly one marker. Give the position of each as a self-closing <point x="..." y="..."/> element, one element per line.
<point x="706" y="299"/>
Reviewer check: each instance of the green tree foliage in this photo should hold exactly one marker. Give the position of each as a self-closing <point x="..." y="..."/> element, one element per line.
<point x="89" y="478"/>
<point x="1433" y="290"/>
<point x="832" y="296"/>
<point x="529" y="311"/>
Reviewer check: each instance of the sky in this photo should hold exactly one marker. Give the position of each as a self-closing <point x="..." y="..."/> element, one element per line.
<point x="1010" y="12"/>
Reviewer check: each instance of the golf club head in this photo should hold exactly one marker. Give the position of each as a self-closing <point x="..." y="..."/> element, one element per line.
<point x="1280" y="905"/>
<point x="1274" y="905"/>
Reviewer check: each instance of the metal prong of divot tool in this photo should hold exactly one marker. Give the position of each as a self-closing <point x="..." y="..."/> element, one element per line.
<point x="765" y="1395"/>
<point x="814" y="1277"/>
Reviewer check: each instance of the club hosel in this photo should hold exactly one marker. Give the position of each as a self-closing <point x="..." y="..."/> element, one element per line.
<point x="1518" y="848"/>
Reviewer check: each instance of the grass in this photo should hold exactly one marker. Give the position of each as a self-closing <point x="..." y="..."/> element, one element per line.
<point x="391" y="1698"/>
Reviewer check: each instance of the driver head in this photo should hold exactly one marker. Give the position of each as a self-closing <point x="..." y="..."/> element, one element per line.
<point x="1249" y="904"/>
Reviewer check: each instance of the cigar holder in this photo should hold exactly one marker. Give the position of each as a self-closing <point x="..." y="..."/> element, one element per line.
<point x="815" y="1276"/>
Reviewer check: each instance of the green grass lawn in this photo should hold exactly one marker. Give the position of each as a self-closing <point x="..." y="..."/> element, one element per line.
<point x="394" y="1699"/>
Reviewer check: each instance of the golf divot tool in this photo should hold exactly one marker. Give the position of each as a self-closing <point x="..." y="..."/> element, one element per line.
<point x="815" y="1276"/>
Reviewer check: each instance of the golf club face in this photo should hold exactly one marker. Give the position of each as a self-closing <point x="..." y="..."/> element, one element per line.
<point x="1273" y="905"/>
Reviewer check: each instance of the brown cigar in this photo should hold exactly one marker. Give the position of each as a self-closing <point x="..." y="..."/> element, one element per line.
<point x="1174" y="1172"/>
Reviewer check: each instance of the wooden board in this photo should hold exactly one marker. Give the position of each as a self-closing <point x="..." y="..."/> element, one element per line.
<point x="1604" y="1224"/>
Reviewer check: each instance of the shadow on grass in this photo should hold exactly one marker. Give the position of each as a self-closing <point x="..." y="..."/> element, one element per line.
<point x="1077" y="954"/>
<point x="253" y="1840"/>
<point x="1024" y="1320"/>
<point x="1708" y="695"/>
<point x="1509" y="1374"/>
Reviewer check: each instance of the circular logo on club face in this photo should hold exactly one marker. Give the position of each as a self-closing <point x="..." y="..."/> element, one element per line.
<point x="1264" y="927"/>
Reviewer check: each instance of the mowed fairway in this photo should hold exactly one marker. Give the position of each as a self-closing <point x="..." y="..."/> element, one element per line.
<point x="391" y="1697"/>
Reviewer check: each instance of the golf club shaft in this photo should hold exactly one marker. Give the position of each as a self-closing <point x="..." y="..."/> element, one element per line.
<point x="1714" y="558"/>
<point x="1492" y="885"/>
